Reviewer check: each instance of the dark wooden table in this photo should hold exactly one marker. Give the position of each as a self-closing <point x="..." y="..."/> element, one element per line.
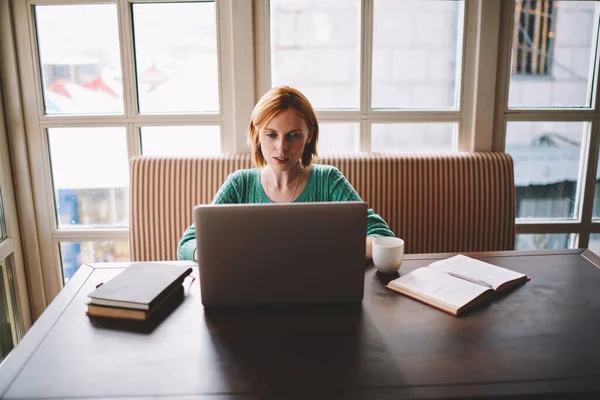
<point x="541" y="339"/>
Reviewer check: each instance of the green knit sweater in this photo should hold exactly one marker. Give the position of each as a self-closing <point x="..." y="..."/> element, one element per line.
<point x="325" y="183"/>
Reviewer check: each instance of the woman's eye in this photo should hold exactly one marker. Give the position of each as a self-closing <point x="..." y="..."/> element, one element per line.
<point x="294" y="135"/>
<point x="271" y="135"/>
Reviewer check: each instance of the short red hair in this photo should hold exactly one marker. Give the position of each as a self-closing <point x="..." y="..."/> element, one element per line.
<point x="272" y="103"/>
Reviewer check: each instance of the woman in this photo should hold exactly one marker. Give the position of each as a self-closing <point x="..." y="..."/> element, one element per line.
<point x="283" y="135"/>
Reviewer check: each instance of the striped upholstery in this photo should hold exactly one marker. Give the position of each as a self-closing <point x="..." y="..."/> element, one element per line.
<point x="436" y="203"/>
<point x="164" y="190"/>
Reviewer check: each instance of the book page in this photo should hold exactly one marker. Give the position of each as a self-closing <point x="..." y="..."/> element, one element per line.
<point x="476" y="271"/>
<point x="440" y="286"/>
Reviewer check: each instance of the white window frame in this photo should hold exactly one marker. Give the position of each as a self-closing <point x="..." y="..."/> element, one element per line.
<point x="236" y="83"/>
<point x="583" y="225"/>
<point x="477" y="77"/>
<point x="243" y="49"/>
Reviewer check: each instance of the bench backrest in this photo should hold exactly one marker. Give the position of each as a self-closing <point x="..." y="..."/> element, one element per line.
<point x="454" y="202"/>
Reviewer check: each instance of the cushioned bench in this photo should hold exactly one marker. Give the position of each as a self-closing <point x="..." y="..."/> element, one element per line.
<point x="436" y="202"/>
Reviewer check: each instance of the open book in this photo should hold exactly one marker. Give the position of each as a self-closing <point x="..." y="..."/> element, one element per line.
<point x="456" y="283"/>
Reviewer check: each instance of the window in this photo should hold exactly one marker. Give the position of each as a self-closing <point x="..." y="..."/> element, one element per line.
<point x="372" y="64"/>
<point x="550" y="124"/>
<point x="417" y="55"/>
<point x="546" y="241"/>
<point x="547" y="159"/>
<point x="81" y="68"/>
<point x="567" y="57"/>
<point x="9" y="333"/>
<point x="533" y="35"/>
<point x="119" y="78"/>
<point x="315" y="47"/>
<point x="176" y="57"/>
<point x="113" y="80"/>
<point x="73" y="254"/>
<point x="170" y="78"/>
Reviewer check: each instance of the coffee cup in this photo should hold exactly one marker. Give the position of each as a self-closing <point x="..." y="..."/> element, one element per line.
<point x="388" y="253"/>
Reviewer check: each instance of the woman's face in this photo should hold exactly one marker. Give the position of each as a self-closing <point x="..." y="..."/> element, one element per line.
<point x="282" y="141"/>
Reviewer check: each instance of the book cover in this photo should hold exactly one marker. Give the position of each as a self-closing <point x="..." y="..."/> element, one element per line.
<point x="95" y="310"/>
<point x="139" y="286"/>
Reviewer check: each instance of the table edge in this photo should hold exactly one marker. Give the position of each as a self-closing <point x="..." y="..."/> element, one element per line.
<point x="20" y="355"/>
<point x="501" y="253"/>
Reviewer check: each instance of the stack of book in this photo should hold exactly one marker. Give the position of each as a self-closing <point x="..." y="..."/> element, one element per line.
<point x="138" y="292"/>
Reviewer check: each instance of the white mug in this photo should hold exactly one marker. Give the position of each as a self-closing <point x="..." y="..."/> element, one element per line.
<point x="388" y="253"/>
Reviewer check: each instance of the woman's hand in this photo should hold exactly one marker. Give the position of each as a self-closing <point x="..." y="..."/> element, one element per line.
<point x="369" y="253"/>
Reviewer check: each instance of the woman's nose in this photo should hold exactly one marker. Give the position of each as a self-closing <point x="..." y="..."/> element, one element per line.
<point x="282" y="144"/>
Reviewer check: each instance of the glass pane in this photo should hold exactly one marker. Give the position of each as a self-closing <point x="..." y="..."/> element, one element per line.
<point x="553" y="50"/>
<point x="548" y="241"/>
<point x="546" y="157"/>
<point x="90" y="172"/>
<point x="596" y="208"/>
<point x="73" y="254"/>
<point x="315" y="47"/>
<point x="417" y="54"/>
<point x="337" y="137"/>
<point x="594" y="244"/>
<point x="181" y="140"/>
<point x="414" y="137"/>
<point x="3" y="233"/>
<point x="176" y="57"/>
<point x="8" y="310"/>
<point x="80" y="59"/>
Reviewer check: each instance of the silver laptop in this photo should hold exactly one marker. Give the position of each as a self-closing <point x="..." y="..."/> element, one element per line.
<point x="281" y="253"/>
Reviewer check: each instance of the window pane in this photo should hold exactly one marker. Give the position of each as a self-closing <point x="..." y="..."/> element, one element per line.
<point x="594" y="244"/>
<point x="73" y="254"/>
<point x="80" y="59"/>
<point x="8" y="310"/>
<point x="546" y="157"/>
<point x="337" y="137"/>
<point x="417" y="53"/>
<point x="180" y="140"/>
<point x="176" y="57"/>
<point x="596" y="208"/>
<point x="90" y="173"/>
<point x="553" y="51"/>
<point x="414" y="137"/>
<point x="315" y="47"/>
<point x="3" y="234"/>
<point x="548" y="241"/>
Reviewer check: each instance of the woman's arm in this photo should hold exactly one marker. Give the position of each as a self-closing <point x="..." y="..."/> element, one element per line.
<point x="186" y="249"/>
<point x="340" y="189"/>
<point x="228" y="193"/>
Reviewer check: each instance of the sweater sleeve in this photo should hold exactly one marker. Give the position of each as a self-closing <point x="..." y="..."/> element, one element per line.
<point x="230" y="192"/>
<point x="340" y="189"/>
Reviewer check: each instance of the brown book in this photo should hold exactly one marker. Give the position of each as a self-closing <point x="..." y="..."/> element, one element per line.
<point x="95" y="310"/>
<point x="139" y="286"/>
<point x="457" y="283"/>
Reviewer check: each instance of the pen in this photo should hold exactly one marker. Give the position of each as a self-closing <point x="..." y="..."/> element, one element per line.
<point x="471" y="279"/>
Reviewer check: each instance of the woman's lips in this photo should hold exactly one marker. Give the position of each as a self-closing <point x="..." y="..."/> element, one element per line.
<point x="280" y="160"/>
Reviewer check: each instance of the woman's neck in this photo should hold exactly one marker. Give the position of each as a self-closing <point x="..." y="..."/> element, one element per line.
<point x="281" y="179"/>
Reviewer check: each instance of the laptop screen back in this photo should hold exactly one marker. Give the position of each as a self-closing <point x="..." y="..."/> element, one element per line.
<point x="281" y="253"/>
